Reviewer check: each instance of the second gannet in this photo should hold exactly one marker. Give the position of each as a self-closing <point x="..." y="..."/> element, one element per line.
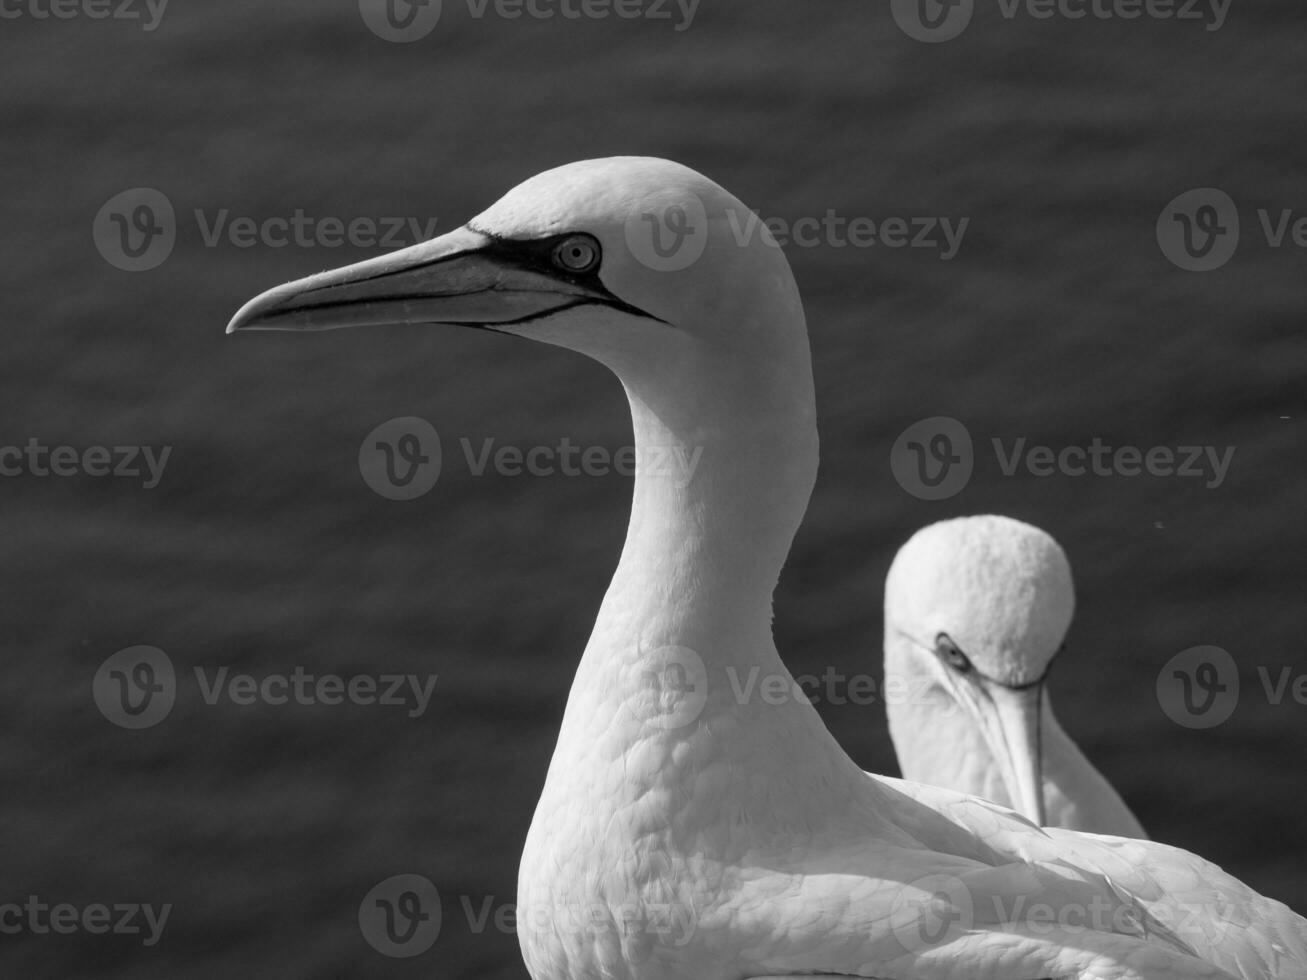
<point x="686" y="831"/>
<point x="976" y="608"/>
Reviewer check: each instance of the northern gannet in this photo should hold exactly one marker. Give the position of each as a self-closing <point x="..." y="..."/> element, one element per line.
<point x="670" y="798"/>
<point x="976" y="608"/>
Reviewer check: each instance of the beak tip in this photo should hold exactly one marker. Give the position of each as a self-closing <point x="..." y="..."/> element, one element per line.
<point x="253" y="313"/>
<point x="240" y="323"/>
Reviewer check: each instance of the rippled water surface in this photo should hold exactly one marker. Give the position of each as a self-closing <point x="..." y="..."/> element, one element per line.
<point x="1058" y="320"/>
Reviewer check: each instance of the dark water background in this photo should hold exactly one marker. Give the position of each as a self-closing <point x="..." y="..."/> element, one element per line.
<point x="1059" y="320"/>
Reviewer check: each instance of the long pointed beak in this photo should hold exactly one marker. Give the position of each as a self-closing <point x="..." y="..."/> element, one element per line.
<point x="1012" y="729"/>
<point x="463" y="278"/>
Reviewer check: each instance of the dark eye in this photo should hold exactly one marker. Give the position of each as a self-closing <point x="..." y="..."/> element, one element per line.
<point x="579" y="253"/>
<point x="949" y="652"/>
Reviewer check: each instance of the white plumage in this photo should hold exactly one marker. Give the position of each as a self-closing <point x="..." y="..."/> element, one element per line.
<point x="668" y="791"/>
<point x="976" y="608"/>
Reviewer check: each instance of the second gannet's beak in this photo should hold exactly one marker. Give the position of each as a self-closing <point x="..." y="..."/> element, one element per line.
<point x="1010" y="718"/>
<point x="465" y="278"/>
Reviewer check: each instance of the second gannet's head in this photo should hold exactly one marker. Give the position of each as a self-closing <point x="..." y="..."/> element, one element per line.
<point x="981" y="605"/>
<point x="643" y="264"/>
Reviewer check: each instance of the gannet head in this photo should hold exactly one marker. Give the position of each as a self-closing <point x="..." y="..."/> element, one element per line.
<point x="982" y="605"/>
<point x="641" y="263"/>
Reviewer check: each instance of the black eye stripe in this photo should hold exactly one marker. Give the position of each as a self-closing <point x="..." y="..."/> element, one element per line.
<point x="537" y="254"/>
<point x="951" y="653"/>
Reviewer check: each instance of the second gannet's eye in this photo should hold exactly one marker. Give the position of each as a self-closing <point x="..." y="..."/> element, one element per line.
<point x="577" y="253"/>
<point x="949" y="652"/>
